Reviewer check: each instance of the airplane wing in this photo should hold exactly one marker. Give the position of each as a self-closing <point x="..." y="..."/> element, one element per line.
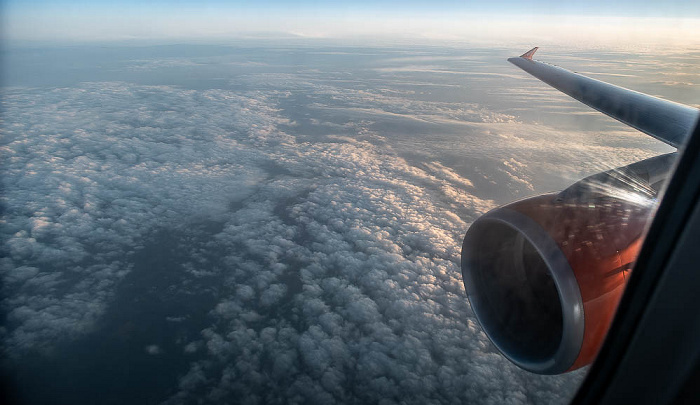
<point x="544" y="275"/>
<point x="664" y="120"/>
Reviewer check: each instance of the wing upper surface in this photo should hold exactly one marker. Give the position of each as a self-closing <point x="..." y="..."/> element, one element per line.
<point x="662" y="119"/>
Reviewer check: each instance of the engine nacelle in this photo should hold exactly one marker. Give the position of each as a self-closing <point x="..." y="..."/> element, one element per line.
<point x="545" y="275"/>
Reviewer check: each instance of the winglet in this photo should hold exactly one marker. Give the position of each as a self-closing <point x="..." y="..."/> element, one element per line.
<point x="530" y="53"/>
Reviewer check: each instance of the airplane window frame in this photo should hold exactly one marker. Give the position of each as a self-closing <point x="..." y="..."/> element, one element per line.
<point x="639" y="332"/>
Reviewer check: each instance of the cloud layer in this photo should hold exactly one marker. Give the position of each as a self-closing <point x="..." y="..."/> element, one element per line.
<point x="336" y="239"/>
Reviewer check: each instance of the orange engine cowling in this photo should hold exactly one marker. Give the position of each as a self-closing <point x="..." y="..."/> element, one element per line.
<point x="544" y="275"/>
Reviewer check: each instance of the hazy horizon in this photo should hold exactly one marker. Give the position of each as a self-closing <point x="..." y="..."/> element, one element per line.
<point x="648" y="23"/>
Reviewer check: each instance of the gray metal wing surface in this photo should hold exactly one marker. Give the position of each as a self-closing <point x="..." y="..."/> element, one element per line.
<point x="662" y="119"/>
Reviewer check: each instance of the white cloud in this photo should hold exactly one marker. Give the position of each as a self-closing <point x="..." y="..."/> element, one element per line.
<point x="339" y="276"/>
<point x="153" y="350"/>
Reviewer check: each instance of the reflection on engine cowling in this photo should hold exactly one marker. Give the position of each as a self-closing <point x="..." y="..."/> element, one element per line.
<point x="544" y="275"/>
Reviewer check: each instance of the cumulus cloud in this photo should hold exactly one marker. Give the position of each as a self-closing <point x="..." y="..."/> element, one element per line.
<point x="153" y="350"/>
<point x="83" y="185"/>
<point x="337" y="276"/>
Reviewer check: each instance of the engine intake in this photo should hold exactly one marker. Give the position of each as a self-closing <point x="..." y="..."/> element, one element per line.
<point x="533" y="315"/>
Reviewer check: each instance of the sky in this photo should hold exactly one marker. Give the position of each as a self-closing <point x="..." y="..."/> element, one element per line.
<point x="57" y="20"/>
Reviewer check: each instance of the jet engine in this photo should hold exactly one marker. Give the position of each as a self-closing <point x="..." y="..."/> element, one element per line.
<point x="544" y="275"/>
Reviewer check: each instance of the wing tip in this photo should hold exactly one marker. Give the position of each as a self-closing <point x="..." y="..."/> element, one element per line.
<point x="530" y="53"/>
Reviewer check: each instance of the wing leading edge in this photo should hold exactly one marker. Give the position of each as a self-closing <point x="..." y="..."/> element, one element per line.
<point x="662" y="119"/>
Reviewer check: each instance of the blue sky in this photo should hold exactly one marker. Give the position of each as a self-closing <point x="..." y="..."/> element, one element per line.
<point x="672" y="8"/>
<point x="130" y="19"/>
